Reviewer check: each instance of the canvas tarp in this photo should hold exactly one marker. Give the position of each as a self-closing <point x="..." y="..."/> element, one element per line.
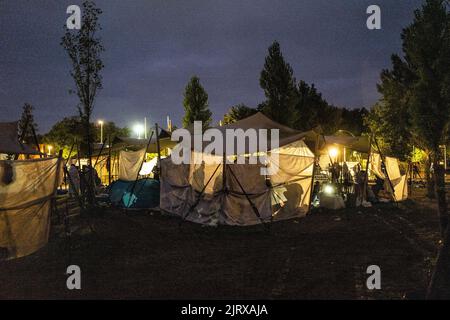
<point x="25" y="201"/>
<point x="130" y="164"/>
<point x="257" y="121"/>
<point x="399" y="181"/>
<point x="360" y="144"/>
<point x="280" y="196"/>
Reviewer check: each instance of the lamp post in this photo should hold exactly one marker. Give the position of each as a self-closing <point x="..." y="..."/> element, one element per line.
<point x="100" y="122"/>
<point x="138" y="129"/>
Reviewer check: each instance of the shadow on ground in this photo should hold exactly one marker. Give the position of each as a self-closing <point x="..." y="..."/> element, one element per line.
<point x="322" y="256"/>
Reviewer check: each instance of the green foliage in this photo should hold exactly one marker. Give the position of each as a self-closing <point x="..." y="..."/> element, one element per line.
<point x="27" y="123"/>
<point x="426" y="45"/>
<point x="196" y="104"/>
<point x="314" y="110"/>
<point x="415" y="104"/>
<point x="390" y="126"/>
<point x="84" y="49"/>
<point x="238" y="112"/>
<point x="71" y="129"/>
<point x="279" y="87"/>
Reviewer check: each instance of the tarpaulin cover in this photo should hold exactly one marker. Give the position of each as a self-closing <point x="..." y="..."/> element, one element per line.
<point x="182" y="185"/>
<point x="25" y="198"/>
<point x="144" y="195"/>
<point x="399" y="181"/>
<point x="130" y="164"/>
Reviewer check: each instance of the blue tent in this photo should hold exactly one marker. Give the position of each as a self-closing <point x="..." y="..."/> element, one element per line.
<point x="145" y="193"/>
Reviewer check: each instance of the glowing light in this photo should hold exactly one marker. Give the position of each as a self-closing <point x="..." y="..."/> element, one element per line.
<point x="100" y="122"/>
<point x="49" y="150"/>
<point x="138" y="129"/>
<point x="328" y="189"/>
<point x="333" y="152"/>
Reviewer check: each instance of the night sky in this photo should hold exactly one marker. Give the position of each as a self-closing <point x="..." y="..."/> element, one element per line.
<point x="154" y="47"/>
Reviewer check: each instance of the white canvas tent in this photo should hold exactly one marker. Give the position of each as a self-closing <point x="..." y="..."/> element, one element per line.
<point x="237" y="194"/>
<point x="399" y="182"/>
<point x="26" y="190"/>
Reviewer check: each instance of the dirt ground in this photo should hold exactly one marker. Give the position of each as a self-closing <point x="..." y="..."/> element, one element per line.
<point x="152" y="256"/>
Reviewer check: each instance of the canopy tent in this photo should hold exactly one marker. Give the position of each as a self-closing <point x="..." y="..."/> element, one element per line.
<point x="132" y="144"/>
<point x="26" y="190"/>
<point x="237" y="194"/>
<point x="9" y="142"/>
<point x="363" y="144"/>
<point x="259" y="121"/>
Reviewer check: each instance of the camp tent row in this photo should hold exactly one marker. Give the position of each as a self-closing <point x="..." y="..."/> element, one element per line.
<point x="237" y="194"/>
<point x="27" y="188"/>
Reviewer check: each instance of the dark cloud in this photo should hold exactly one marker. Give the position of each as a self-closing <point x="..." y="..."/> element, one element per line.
<point x="154" y="47"/>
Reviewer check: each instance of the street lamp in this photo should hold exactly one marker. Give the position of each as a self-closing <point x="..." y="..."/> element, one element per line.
<point x="138" y="129"/>
<point x="100" y="122"/>
<point x="333" y="152"/>
<point x="341" y="131"/>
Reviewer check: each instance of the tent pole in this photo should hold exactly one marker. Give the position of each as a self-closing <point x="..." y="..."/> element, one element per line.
<point x="59" y="164"/>
<point x="200" y="195"/>
<point x="255" y="210"/>
<point x="99" y="153"/>
<point x="109" y="157"/>
<point x="385" y="169"/>
<point x="66" y="162"/>
<point x="366" y="174"/>
<point x="140" y="167"/>
<point x="36" y="142"/>
<point x="159" y="150"/>
<point x="78" y="156"/>
<point x="316" y="151"/>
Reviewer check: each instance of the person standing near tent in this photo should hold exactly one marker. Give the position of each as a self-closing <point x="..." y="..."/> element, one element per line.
<point x="74" y="186"/>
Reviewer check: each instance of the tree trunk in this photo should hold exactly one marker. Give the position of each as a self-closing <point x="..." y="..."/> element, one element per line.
<point x="90" y="177"/>
<point x="439" y="287"/>
<point x="439" y="182"/>
<point x="429" y="178"/>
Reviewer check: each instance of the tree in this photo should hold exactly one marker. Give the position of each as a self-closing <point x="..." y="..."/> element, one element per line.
<point x="238" y="112"/>
<point x="65" y="133"/>
<point x="84" y="49"/>
<point x="196" y="104"/>
<point x="279" y="87"/>
<point x="111" y="130"/>
<point x="418" y="87"/>
<point x="27" y="125"/>
<point x="310" y="106"/>
<point x="313" y="110"/>
<point x="390" y="125"/>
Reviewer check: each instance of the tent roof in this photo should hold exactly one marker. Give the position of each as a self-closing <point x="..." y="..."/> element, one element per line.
<point x="259" y="121"/>
<point x="9" y="142"/>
